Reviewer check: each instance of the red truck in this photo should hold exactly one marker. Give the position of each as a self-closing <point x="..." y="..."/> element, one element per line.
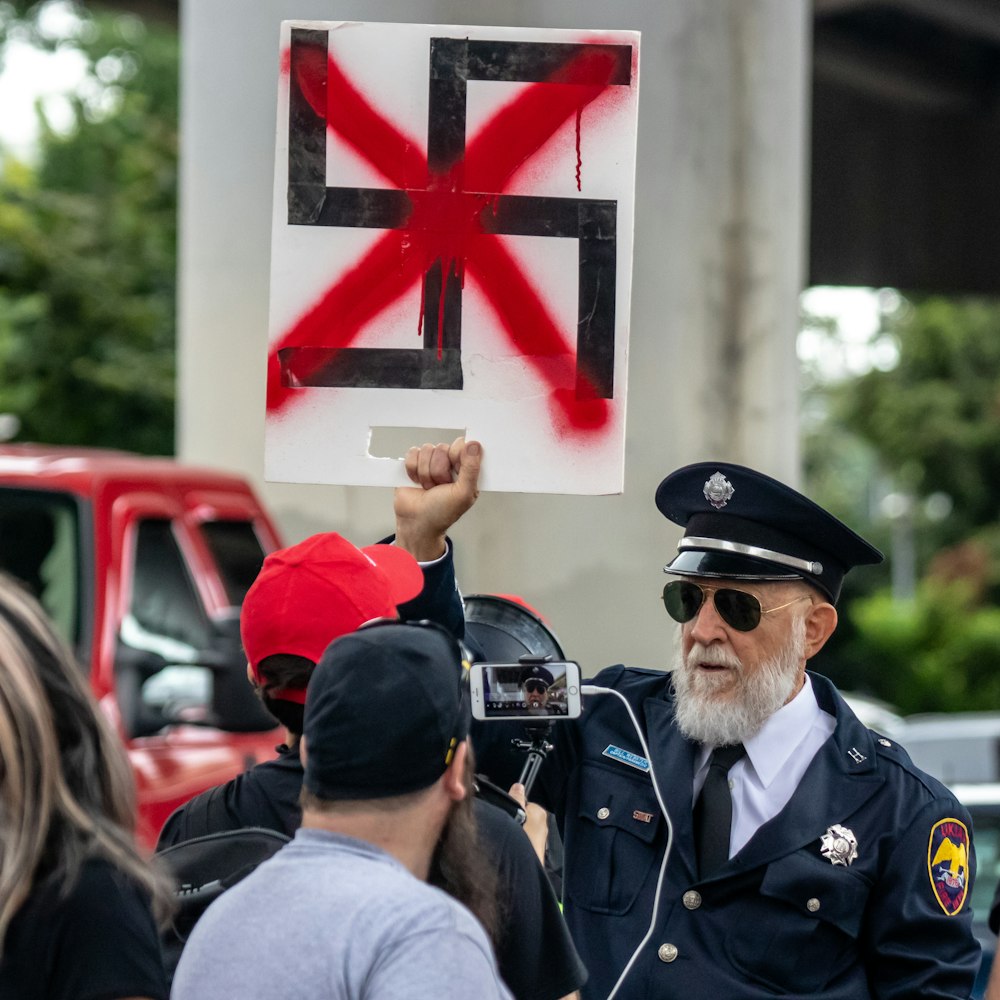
<point x="143" y="563"/>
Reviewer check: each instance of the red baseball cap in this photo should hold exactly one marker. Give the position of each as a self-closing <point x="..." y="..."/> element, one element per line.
<point x="307" y="595"/>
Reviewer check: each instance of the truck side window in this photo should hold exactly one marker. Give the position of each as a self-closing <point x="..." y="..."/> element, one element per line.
<point x="237" y="552"/>
<point x="164" y="603"/>
<point x="39" y="545"/>
<point x="162" y="634"/>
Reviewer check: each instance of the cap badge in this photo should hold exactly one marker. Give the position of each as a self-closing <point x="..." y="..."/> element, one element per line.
<point x="839" y="845"/>
<point x="718" y="490"/>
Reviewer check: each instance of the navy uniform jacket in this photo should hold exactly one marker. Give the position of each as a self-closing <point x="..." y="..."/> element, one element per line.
<point x="779" y="919"/>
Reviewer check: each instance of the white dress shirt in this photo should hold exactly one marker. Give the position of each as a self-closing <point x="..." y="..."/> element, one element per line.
<point x="763" y="781"/>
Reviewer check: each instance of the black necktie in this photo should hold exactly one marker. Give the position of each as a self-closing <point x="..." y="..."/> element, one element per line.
<point x="713" y="812"/>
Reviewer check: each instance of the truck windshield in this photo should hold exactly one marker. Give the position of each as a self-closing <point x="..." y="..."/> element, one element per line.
<point x="40" y="545"/>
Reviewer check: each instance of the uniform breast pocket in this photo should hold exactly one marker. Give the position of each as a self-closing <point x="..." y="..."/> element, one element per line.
<point x="802" y="928"/>
<point x="610" y="845"/>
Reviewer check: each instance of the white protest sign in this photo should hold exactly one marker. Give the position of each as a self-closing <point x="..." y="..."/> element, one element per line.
<point x="452" y="252"/>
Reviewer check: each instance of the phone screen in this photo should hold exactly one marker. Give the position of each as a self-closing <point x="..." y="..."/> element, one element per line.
<point x="518" y="691"/>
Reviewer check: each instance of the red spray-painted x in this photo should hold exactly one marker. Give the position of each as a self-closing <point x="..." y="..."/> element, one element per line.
<point x="449" y="208"/>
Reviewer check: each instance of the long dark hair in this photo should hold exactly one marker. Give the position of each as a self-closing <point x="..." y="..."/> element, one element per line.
<point x="462" y="869"/>
<point x="66" y="789"/>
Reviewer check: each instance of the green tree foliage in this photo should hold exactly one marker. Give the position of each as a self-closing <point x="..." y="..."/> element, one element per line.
<point x="88" y="248"/>
<point x="928" y="427"/>
<point x="934" y="420"/>
<point x="936" y="653"/>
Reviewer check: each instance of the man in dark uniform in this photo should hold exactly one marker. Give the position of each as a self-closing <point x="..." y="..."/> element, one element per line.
<point x="535" y="683"/>
<point x="783" y="849"/>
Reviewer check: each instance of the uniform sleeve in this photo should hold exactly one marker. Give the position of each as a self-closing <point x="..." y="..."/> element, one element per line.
<point x="536" y="955"/>
<point x="106" y="944"/>
<point x="440" y="600"/>
<point x="919" y="938"/>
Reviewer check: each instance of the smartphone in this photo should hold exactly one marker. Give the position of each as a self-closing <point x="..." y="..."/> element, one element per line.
<point x="530" y="691"/>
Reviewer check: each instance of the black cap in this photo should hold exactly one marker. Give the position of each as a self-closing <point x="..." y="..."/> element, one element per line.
<point x="742" y="525"/>
<point x="385" y="708"/>
<point x="535" y="672"/>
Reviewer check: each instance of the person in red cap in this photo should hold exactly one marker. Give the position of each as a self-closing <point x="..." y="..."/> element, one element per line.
<point x="310" y="594"/>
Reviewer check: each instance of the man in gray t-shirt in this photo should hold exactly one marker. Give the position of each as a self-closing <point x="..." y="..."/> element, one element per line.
<point x="342" y="912"/>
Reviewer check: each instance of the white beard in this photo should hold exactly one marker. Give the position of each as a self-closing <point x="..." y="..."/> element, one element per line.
<point x="740" y="714"/>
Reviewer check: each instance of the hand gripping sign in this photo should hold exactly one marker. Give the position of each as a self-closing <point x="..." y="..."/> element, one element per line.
<point x="451" y="252"/>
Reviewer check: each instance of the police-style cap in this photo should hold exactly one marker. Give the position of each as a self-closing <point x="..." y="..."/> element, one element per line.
<point x="742" y="525"/>
<point x="535" y="672"/>
<point x="385" y="708"/>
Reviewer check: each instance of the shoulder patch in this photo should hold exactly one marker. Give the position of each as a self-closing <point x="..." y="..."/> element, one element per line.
<point x="948" y="864"/>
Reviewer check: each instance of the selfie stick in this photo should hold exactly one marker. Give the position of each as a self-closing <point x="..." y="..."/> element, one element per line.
<point x="537" y="743"/>
<point x="538" y="748"/>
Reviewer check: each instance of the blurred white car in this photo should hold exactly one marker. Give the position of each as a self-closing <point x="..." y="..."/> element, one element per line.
<point x="956" y="747"/>
<point x="875" y="714"/>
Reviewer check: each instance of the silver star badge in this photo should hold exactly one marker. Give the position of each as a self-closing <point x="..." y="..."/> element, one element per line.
<point x="718" y="490"/>
<point x="839" y="845"/>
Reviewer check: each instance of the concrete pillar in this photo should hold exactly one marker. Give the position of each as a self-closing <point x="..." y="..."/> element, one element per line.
<point x="719" y="240"/>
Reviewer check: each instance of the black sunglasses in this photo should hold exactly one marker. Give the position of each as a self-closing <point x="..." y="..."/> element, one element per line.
<point x="536" y="686"/>
<point x="737" y="608"/>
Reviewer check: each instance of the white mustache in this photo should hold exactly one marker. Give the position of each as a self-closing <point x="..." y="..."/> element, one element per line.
<point x="714" y="655"/>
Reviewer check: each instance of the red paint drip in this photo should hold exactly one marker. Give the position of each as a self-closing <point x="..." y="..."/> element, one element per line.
<point x="519" y="129"/>
<point x="579" y="160"/>
<point x="445" y="271"/>
<point x="420" y="315"/>
<point x="441" y="224"/>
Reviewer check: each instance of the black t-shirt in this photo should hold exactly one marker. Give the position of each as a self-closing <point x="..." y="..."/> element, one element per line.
<point x="99" y="943"/>
<point x="535" y="954"/>
<point x="267" y="796"/>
